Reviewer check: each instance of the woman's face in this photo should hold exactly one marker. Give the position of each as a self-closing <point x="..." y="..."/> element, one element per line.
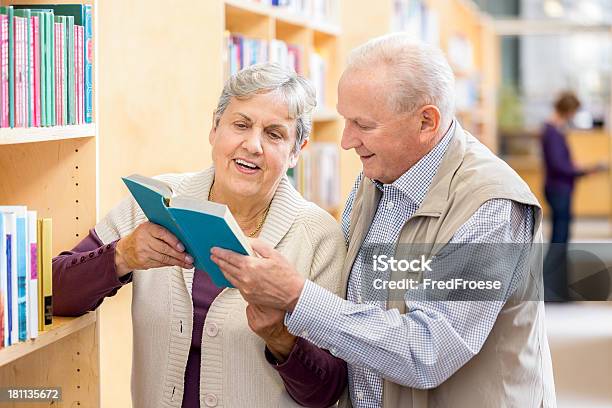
<point x="252" y="145"/>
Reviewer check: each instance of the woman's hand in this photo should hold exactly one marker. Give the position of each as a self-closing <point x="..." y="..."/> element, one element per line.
<point x="268" y="324"/>
<point x="150" y="246"/>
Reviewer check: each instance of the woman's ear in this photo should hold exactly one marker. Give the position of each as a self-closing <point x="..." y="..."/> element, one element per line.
<point x="430" y="119"/>
<point x="294" y="156"/>
<point x="213" y="131"/>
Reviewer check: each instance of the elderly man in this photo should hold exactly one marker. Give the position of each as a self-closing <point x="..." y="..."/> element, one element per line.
<point x="424" y="181"/>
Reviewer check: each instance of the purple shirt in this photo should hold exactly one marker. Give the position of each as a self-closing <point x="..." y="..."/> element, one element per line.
<point x="83" y="277"/>
<point x="560" y="170"/>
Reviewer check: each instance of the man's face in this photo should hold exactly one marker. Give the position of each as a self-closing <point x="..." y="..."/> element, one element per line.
<point x="388" y="143"/>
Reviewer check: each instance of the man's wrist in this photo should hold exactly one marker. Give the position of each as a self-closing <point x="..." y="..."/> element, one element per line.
<point x="295" y="292"/>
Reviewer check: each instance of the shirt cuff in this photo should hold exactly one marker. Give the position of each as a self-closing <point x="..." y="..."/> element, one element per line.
<point x="316" y="316"/>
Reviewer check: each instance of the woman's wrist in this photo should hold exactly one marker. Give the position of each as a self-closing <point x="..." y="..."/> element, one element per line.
<point x="281" y="347"/>
<point x="121" y="266"/>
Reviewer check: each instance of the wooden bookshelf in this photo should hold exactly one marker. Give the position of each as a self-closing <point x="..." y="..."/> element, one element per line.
<point x="61" y="327"/>
<point x="260" y="21"/>
<point x="45" y="134"/>
<point x="53" y="170"/>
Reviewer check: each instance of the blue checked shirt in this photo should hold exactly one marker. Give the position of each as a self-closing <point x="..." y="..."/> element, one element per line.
<point x="426" y="345"/>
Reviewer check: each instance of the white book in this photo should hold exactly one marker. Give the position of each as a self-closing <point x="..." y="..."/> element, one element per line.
<point x="32" y="275"/>
<point x="21" y="260"/>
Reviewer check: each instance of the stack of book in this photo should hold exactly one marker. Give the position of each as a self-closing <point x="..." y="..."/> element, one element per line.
<point x="46" y="58"/>
<point x="317" y="10"/>
<point x="243" y="52"/>
<point x="316" y="174"/>
<point x="25" y="275"/>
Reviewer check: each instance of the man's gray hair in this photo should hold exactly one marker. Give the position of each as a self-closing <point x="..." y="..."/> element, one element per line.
<point x="293" y="89"/>
<point x="418" y="73"/>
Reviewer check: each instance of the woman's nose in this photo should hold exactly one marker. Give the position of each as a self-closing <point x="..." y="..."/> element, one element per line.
<point x="252" y="141"/>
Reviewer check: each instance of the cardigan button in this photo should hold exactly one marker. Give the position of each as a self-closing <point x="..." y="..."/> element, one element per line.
<point x="210" y="400"/>
<point x="212" y="329"/>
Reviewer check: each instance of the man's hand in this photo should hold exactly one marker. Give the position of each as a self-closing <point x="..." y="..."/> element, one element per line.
<point x="268" y="324"/>
<point x="150" y="246"/>
<point x="267" y="281"/>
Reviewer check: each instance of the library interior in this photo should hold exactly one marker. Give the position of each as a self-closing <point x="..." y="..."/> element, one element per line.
<point x="94" y="91"/>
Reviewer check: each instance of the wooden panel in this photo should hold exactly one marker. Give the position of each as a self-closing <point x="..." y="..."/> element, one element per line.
<point x="55" y="178"/>
<point x="592" y="195"/>
<point x="162" y="75"/>
<point x="241" y="21"/>
<point x="71" y="363"/>
<point x="296" y="35"/>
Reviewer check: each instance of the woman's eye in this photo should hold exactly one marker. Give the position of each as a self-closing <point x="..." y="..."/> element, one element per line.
<point x="240" y="125"/>
<point x="274" y="135"/>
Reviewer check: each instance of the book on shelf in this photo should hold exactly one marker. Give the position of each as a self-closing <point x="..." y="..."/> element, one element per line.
<point x="318" y="73"/>
<point x="316" y="174"/>
<point x="46" y="54"/>
<point x="242" y="52"/>
<point x="198" y="224"/>
<point x="44" y="233"/>
<point x="20" y="264"/>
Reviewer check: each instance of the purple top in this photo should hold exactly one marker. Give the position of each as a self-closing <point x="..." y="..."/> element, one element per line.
<point x="83" y="277"/>
<point x="560" y="170"/>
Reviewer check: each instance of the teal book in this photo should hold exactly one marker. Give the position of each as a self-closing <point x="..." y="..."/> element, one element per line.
<point x="198" y="224"/>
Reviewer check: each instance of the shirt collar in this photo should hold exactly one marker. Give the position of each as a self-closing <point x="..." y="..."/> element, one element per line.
<point x="415" y="182"/>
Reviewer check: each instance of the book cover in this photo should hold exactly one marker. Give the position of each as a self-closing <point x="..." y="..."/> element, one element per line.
<point x="198" y="224"/>
<point x="45" y="282"/>
<point x="32" y="275"/>
<point x="88" y="61"/>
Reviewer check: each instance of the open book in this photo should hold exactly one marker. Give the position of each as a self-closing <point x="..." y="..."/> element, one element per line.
<point x="198" y="224"/>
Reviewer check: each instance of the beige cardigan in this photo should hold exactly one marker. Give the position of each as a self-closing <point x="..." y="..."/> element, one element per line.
<point x="513" y="368"/>
<point x="234" y="372"/>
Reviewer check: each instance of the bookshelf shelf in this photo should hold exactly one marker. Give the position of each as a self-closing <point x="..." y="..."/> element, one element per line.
<point x="282" y="15"/>
<point x="45" y="134"/>
<point x="62" y="327"/>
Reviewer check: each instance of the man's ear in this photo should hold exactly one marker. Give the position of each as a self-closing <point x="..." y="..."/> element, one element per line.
<point x="213" y="131"/>
<point x="430" y="119"/>
<point x="293" y="158"/>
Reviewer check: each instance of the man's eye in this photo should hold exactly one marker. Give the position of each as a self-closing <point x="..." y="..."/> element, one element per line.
<point x="361" y="126"/>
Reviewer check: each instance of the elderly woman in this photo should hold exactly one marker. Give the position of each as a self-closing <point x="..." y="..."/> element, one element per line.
<point x="193" y="342"/>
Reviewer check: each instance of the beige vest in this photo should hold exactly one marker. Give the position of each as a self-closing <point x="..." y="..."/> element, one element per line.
<point x="234" y="371"/>
<point x="513" y="368"/>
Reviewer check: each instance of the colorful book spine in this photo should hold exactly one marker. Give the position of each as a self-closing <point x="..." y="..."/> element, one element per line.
<point x="11" y="276"/>
<point x="36" y="57"/>
<point x="33" y="275"/>
<point x="45" y="283"/>
<point x="4" y="339"/>
<point x="70" y="83"/>
<point x="88" y="55"/>
<point x="4" y="83"/>
<point x="58" y="73"/>
<point x="51" y="111"/>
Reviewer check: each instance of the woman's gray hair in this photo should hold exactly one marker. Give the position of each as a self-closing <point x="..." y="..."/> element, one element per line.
<point x="296" y="91"/>
<point x="418" y="73"/>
